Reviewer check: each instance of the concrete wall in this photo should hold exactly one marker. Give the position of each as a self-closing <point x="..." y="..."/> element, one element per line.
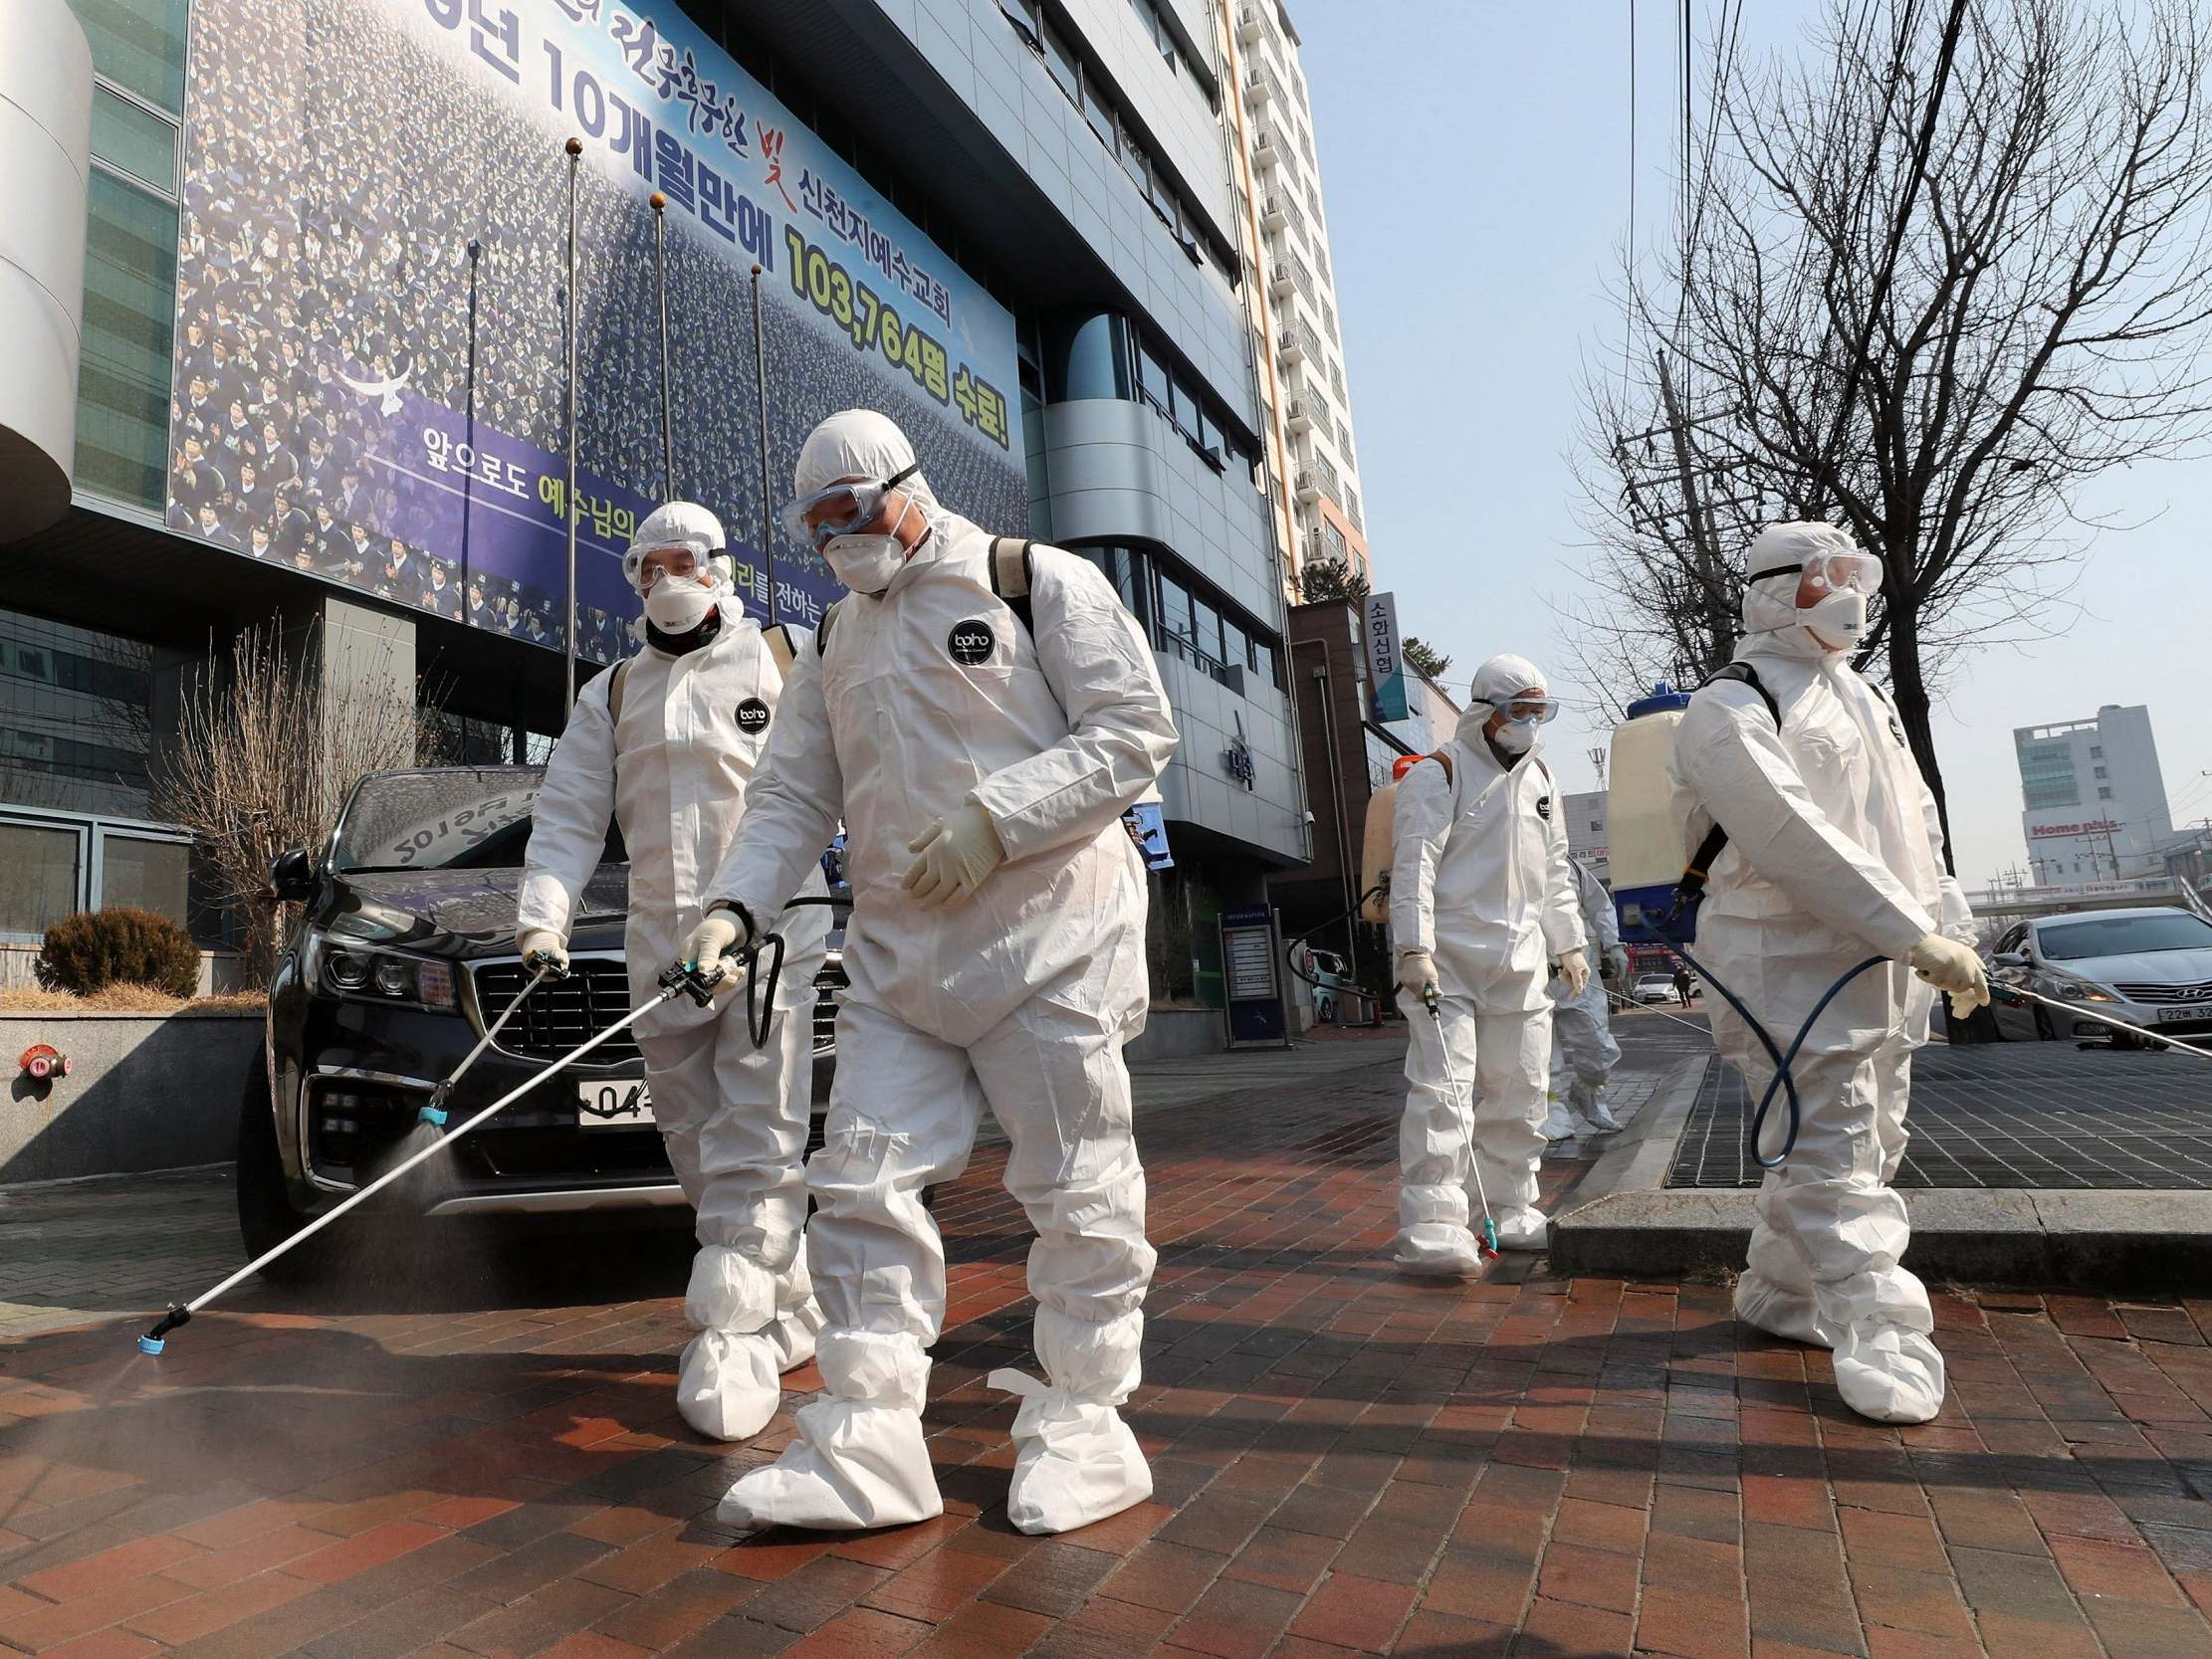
<point x="46" y="143"/>
<point x="220" y="972"/>
<point x="145" y="1092"/>
<point x="1171" y="1031"/>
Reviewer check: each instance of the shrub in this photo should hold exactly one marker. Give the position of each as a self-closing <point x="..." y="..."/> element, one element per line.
<point x="94" y="949"/>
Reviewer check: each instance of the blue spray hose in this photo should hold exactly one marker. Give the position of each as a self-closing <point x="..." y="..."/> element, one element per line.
<point x="1782" y="1079"/>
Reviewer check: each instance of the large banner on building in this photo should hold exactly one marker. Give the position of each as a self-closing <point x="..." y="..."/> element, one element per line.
<point x="371" y="312"/>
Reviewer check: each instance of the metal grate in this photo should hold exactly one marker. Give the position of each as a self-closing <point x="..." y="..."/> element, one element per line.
<point x="2014" y="1116"/>
<point x="561" y="1014"/>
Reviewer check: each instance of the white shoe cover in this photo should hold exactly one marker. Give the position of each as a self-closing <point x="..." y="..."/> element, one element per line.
<point x="1528" y="1229"/>
<point x="859" y="1460"/>
<point x="725" y="1385"/>
<point x="1603" y="1121"/>
<point x="853" y="1466"/>
<point x="1888" y="1374"/>
<point x="1075" y="1461"/>
<point x="799" y="1317"/>
<point x="1766" y="1306"/>
<point x="728" y="1291"/>
<point x="1438" y="1249"/>
<point x="1560" y="1124"/>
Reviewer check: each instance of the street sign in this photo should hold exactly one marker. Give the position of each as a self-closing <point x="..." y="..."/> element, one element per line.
<point x="1386" y="666"/>
<point x="1251" y="977"/>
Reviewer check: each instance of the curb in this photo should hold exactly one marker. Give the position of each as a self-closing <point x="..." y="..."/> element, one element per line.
<point x="1628" y="1223"/>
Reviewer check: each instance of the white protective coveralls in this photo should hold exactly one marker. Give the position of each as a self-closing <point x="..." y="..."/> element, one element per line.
<point x="1834" y="854"/>
<point x="1478" y="880"/>
<point x="1019" y="999"/>
<point x="675" y="777"/>
<point x="1580" y="1034"/>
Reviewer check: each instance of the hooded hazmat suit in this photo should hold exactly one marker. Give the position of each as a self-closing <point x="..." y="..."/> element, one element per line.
<point x="926" y="700"/>
<point x="1582" y="1035"/>
<point x="675" y="771"/>
<point x="1834" y="855"/>
<point x="1479" y="881"/>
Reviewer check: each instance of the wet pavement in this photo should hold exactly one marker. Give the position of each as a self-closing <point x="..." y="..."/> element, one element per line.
<point x="469" y="1448"/>
<point x="2047" y="1117"/>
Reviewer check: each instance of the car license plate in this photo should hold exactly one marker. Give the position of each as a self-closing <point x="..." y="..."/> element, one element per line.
<point x="614" y="1102"/>
<point x="2180" y="1014"/>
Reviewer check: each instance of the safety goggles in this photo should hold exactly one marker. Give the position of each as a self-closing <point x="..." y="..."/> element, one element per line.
<point x="1541" y="710"/>
<point x="839" y="510"/>
<point x="645" y="565"/>
<point x="1832" y="572"/>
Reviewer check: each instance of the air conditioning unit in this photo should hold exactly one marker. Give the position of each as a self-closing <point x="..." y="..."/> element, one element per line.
<point x="1299" y="415"/>
<point x="1279" y="281"/>
<point x="1257" y="90"/>
<point x="1249" y="25"/>
<point x="1292" y="348"/>
<point x="1272" y="213"/>
<point x="1308" y="485"/>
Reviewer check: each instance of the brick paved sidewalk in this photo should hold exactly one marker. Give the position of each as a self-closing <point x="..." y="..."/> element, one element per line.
<point x="1347" y="1462"/>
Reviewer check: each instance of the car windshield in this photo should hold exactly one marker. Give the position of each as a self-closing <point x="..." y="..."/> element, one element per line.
<point x="448" y="819"/>
<point x="2123" y="936"/>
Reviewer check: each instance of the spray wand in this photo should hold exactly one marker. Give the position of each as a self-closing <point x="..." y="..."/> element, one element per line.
<point x="1488" y="1242"/>
<point x="679" y="980"/>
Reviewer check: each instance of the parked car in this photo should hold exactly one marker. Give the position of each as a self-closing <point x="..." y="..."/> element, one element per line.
<point x="404" y="952"/>
<point x="2150" y="968"/>
<point x="1653" y="987"/>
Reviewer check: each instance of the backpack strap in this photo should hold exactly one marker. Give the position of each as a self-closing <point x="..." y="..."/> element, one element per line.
<point x="1442" y="758"/>
<point x="1699" y="869"/>
<point x="821" y="632"/>
<point x="615" y="683"/>
<point x="1009" y="577"/>
<point x="780" y="647"/>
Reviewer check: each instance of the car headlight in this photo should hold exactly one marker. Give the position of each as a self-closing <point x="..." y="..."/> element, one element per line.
<point x="362" y="973"/>
<point x="2074" y="990"/>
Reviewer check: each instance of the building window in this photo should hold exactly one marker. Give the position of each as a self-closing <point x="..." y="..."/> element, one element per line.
<point x="2096" y="753"/>
<point x="41" y="870"/>
<point x="138" y="45"/>
<point x="2104" y="792"/>
<point x="2100" y="771"/>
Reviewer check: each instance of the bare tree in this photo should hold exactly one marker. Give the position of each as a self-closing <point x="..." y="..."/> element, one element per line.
<point x="266" y="751"/>
<point x="1938" y="272"/>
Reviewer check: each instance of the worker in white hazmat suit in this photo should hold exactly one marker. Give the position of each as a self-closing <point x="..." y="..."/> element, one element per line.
<point x="1481" y="908"/>
<point x="667" y="743"/>
<point x="1834" y="853"/>
<point x="1583" y="1052"/>
<point x="981" y="760"/>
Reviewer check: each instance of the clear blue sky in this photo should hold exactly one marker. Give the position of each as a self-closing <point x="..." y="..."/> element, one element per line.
<point x="1475" y="161"/>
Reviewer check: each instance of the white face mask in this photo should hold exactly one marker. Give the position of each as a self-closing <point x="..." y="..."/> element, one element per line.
<point x="865" y="563"/>
<point x="1516" y="736"/>
<point x="1838" y="621"/>
<point x="676" y="606"/>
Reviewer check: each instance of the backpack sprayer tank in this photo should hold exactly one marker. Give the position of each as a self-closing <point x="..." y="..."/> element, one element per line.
<point x="1376" y="843"/>
<point x="1644" y="843"/>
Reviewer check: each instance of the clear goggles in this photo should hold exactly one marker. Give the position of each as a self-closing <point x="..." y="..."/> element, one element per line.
<point x="839" y="510"/>
<point x="1538" y="707"/>
<point x="1832" y="572"/>
<point x="646" y="566"/>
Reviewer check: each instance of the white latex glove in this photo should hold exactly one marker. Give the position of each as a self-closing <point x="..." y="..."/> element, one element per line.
<point x="1416" y="970"/>
<point x="1954" y="968"/>
<point x="1617" y="963"/>
<point x="1574" y="967"/>
<point x="548" y="946"/>
<point x="957" y="853"/>
<point x="720" y="933"/>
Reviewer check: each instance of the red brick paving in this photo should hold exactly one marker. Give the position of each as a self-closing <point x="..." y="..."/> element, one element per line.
<point x="1347" y="1463"/>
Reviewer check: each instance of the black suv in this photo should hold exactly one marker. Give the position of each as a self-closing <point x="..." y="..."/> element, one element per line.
<point x="403" y="956"/>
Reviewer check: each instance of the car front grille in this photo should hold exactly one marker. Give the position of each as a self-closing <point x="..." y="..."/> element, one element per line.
<point x="2169" y="995"/>
<point x="560" y="1014"/>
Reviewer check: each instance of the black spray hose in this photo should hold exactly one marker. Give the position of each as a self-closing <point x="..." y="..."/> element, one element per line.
<point x="1782" y="1079"/>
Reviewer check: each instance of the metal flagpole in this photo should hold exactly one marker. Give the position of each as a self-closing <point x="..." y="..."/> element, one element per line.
<point x="569" y="500"/>
<point x="761" y="390"/>
<point x="668" y="416"/>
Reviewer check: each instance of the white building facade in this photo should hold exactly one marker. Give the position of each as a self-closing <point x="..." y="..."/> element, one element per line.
<point x="2092" y="798"/>
<point x="1290" y="293"/>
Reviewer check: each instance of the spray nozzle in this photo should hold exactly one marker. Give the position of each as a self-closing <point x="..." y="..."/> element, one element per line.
<point x="153" y="1341"/>
<point x="696" y="981"/>
<point x="1429" y="996"/>
<point x="433" y="1110"/>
